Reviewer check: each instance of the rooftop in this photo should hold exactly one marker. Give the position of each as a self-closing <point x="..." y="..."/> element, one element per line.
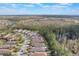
<point x="39" y="54"/>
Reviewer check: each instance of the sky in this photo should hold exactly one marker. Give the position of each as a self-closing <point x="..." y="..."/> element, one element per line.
<point x="39" y="8"/>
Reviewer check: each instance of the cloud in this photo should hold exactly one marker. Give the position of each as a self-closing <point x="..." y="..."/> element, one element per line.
<point x="75" y="11"/>
<point x="66" y="4"/>
<point x="7" y="6"/>
<point x="62" y="5"/>
<point x="55" y="6"/>
<point x="13" y="5"/>
<point x="12" y="12"/>
<point x="29" y="5"/>
<point x="7" y="11"/>
<point x="37" y="8"/>
<point x="44" y="6"/>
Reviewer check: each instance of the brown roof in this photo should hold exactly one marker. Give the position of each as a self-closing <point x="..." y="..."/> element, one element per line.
<point x="7" y="36"/>
<point x="39" y="54"/>
<point x="37" y="40"/>
<point x="5" y="46"/>
<point x="38" y="49"/>
<point x="38" y="44"/>
<point x="4" y="51"/>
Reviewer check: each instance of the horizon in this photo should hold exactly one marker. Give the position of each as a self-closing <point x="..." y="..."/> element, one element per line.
<point x="37" y="15"/>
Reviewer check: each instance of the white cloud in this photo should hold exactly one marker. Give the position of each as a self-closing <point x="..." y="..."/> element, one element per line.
<point x="55" y="6"/>
<point x="11" y="12"/>
<point x="8" y="6"/>
<point x="75" y="11"/>
<point x="29" y="5"/>
<point x="7" y="11"/>
<point x="66" y="4"/>
<point x="13" y="5"/>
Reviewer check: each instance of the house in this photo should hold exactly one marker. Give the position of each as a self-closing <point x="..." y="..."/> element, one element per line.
<point x="41" y="38"/>
<point x="37" y="40"/>
<point x="20" y="30"/>
<point x="36" y="44"/>
<point x="35" y="37"/>
<point x="39" y="54"/>
<point x="2" y="38"/>
<point x="8" y="36"/>
<point x="5" y="46"/>
<point x="5" y="52"/>
<point x="38" y="49"/>
<point x="11" y="42"/>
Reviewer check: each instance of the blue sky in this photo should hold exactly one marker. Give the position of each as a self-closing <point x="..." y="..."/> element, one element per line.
<point x="39" y="9"/>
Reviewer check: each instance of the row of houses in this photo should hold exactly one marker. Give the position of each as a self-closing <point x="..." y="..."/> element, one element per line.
<point x="10" y="41"/>
<point x="37" y="46"/>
